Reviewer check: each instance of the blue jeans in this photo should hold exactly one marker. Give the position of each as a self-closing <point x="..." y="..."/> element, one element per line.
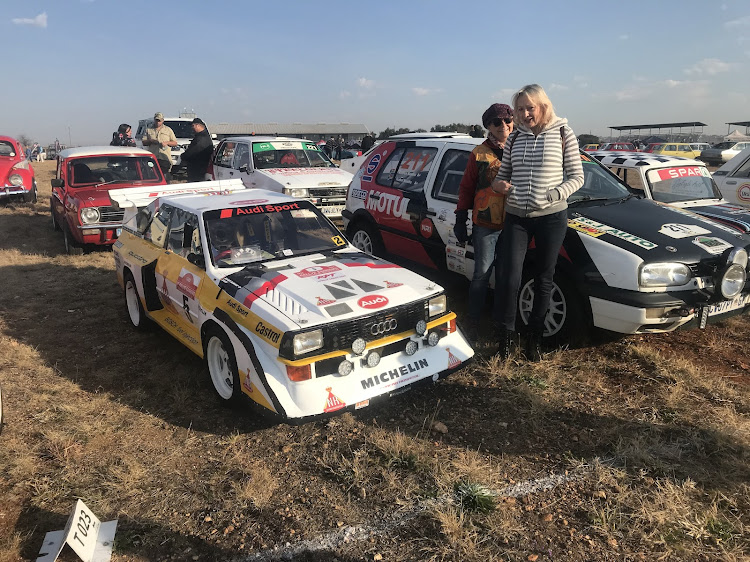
<point x="484" y="241"/>
<point x="548" y="232"/>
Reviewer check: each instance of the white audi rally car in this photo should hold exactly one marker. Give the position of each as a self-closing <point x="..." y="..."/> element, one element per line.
<point x="283" y="309"/>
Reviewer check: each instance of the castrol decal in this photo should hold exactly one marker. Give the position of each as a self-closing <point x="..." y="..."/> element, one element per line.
<point x="372" y="301"/>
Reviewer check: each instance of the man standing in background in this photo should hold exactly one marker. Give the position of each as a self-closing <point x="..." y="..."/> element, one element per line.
<point x="198" y="154"/>
<point x="160" y="141"/>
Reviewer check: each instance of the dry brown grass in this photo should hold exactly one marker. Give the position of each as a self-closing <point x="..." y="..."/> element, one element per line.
<point x="656" y="430"/>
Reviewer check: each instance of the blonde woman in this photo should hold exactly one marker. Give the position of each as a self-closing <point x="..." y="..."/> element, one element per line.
<point x="537" y="157"/>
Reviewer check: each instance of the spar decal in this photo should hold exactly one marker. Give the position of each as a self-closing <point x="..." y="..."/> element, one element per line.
<point x="597" y="229"/>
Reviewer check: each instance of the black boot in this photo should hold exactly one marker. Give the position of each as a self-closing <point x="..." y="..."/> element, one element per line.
<point x="504" y="340"/>
<point x="533" y="345"/>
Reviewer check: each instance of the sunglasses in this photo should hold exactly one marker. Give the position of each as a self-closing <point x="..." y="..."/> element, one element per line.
<point x="497" y="121"/>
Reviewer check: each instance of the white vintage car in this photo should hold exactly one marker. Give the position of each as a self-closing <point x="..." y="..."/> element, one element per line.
<point x="283" y="309"/>
<point x="733" y="179"/>
<point x="295" y="167"/>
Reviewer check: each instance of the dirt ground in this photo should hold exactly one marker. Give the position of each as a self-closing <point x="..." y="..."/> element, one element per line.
<point x="627" y="448"/>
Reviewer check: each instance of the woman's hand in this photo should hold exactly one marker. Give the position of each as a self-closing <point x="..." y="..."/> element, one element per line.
<point x="500" y="186"/>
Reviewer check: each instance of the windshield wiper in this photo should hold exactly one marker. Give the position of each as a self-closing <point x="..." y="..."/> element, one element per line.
<point x="588" y="198"/>
<point x="108" y="182"/>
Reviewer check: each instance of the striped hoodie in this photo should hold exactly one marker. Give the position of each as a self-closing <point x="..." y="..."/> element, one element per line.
<point x="534" y="166"/>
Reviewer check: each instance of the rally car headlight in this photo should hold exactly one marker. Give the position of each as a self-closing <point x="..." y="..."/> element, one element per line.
<point x="438" y="305"/>
<point x="663" y="275"/>
<point x="738" y="256"/>
<point x="308" y="341"/>
<point x="89" y="215"/>
<point x="296" y="192"/>
<point x="733" y="281"/>
<point x="15" y="179"/>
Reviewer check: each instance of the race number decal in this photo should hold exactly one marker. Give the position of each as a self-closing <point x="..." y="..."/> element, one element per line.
<point x="338" y="240"/>
<point x="682" y="230"/>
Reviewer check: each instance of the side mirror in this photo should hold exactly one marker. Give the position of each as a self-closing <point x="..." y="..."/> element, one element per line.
<point x="245" y="168"/>
<point x="197" y="260"/>
<point x="57" y="182"/>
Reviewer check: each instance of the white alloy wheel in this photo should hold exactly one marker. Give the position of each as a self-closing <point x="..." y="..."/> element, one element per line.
<point x="361" y="239"/>
<point x="557" y="313"/>
<point x="219" y="367"/>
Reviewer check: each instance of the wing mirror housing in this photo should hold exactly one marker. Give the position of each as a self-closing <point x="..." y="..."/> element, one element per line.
<point x="57" y="182"/>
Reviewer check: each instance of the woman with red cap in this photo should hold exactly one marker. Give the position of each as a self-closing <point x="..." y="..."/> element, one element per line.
<point x="488" y="207"/>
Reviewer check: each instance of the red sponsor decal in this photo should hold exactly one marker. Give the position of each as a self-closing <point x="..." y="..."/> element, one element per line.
<point x="186" y="284"/>
<point x="332" y="402"/>
<point x="316" y="271"/>
<point x="426" y="228"/>
<point x="682" y="172"/>
<point x="226" y="213"/>
<point x="249" y="202"/>
<point x="453" y="361"/>
<point x="372" y="301"/>
<point x="323" y="302"/>
<point x="392" y="285"/>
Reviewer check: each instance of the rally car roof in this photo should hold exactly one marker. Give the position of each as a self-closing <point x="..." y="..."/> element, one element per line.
<point x="102" y="151"/>
<point x="636" y="159"/>
<point x="203" y="202"/>
<point x="266" y="138"/>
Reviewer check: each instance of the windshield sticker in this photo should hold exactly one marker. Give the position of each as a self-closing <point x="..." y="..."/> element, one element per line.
<point x="617" y="233"/>
<point x="314" y="171"/>
<point x="226" y="213"/>
<point x="303" y="214"/>
<point x="682" y="230"/>
<point x="277" y="145"/>
<point x="712" y="244"/>
<point x="681" y="172"/>
<point x="338" y="240"/>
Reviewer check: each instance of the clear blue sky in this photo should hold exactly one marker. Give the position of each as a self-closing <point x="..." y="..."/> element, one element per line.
<point x="93" y="64"/>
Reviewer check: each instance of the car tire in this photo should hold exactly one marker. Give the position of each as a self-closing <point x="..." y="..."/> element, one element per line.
<point x="567" y="321"/>
<point x="222" y="366"/>
<point x="133" y="304"/>
<point x="55" y="225"/>
<point x="31" y="196"/>
<point x="364" y="236"/>
<point x="71" y="248"/>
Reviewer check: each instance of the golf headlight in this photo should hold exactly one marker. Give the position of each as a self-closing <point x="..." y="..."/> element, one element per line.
<point x="421" y="327"/>
<point x="345" y="368"/>
<point x="299" y="192"/>
<point x="663" y="275"/>
<point x="15" y="179"/>
<point x="308" y="341"/>
<point x="89" y="215"/>
<point x="438" y="305"/>
<point x="738" y="256"/>
<point x="358" y="346"/>
<point x="733" y="281"/>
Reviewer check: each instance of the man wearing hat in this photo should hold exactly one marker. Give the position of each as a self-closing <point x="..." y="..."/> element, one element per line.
<point x="488" y="208"/>
<point x="198" y="154"/>
<point x="160" y="140"/>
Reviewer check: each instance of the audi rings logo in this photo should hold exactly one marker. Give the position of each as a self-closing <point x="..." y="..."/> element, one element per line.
<point x="383" y="327"/>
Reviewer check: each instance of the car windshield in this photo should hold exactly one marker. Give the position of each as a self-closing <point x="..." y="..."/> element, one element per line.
<point x="681" y="183"/>
<point x="598" y="184"/>
<point x="724" y="145"/>
<point x="181" y="129"/>
<point x="112" y="170"/>
<point x="242" y="235"/>
<point x="7" y="149"/>
<point x="289" y="154"/>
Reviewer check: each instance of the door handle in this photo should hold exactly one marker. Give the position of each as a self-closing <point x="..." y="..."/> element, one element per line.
<point x="729" y="182"/>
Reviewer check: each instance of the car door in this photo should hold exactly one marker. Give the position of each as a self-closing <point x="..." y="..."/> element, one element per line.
<point x="242" y="164"/>
<point x="222" y="161"/>
<point x="57" y="201"/>
<point x="178" y="280"/>
<point x="735" y="184"/>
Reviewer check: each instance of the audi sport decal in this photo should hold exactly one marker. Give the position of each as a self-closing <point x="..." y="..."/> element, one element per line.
<point x="372" y="302"/>
<point x="682" y="230"/>
<point x="333" y="404"/>
<point x="712" y="244"/>
<point x="186" y="283"/>
<point x="599" y="228"/>
<point x="393" y="377"/>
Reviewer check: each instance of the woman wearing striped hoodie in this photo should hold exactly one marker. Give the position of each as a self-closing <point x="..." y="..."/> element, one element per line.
<point x="537" y="157"/>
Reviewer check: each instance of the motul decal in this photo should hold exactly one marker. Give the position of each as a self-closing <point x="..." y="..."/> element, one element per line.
<point x="333" y="404"/>
<point x="388" y="203"/>
<point x="186" y="283"/>
<point x="453" y="361"/>
<point x="425" y="228"/>
<point x="373" y="301"/>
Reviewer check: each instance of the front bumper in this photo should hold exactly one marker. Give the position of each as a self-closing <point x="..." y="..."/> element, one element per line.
<point x="101" y="234"/>
<point x="10" y="191"/>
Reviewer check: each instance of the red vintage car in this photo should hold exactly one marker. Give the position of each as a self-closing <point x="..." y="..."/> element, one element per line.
<point x="16" y="174"/>
<point x="80" y="204"/>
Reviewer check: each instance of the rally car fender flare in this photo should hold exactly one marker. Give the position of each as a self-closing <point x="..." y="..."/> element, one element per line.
<point x="225" y="323"/>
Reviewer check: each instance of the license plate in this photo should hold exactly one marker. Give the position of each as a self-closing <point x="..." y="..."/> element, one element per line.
<point x="335" y="210"/>
<point x="727" y="306"/>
